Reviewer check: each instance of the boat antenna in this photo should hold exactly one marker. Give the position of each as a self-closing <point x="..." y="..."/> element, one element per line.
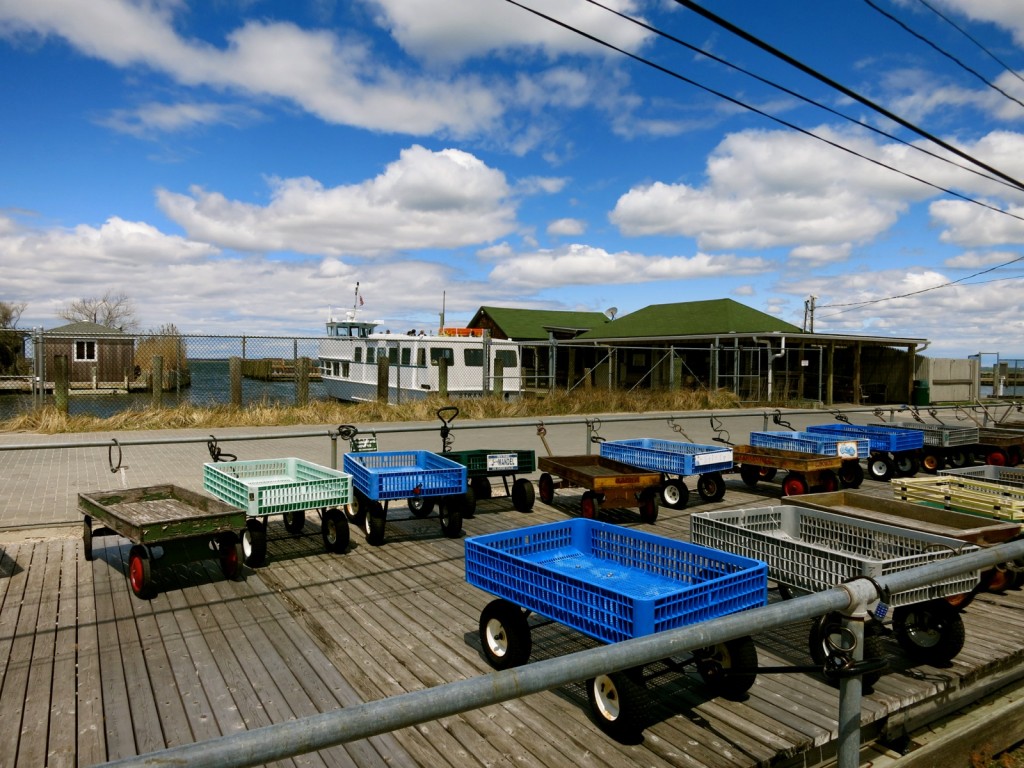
<point x="441" y="327"/>
<point x="355" y="301"/>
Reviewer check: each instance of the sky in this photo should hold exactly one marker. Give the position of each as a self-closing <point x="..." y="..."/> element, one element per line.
<point x="237" y="166"/>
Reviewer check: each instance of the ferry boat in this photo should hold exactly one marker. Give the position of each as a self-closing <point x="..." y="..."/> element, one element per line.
<point x="350" y="353"/>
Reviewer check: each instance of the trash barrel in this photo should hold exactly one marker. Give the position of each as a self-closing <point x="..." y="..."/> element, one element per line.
<point x="920" y="394"/>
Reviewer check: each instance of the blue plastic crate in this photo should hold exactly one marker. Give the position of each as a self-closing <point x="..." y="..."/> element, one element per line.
<point x="881" y="438"/>
<point x="810" y="442"/>
<point x="613" y="583"/>
<point x="669" y="456"/>
<point x="383" y="475"/>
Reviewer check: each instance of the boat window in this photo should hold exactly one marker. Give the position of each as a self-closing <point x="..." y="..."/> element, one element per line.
<point x="359" y="354"/>
<point x="344" y="369"/>
<point x="406" y="355"/>
<point x="421" y="357"/>
<point x="474" y="357"/>
<point x="507" y="357"/>
<point x="393" y="355"/>
<point x="371" y="355"/>
<point x="437" y="353"/>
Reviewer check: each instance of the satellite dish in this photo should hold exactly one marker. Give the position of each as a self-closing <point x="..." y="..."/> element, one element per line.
<point x="612" y="312"/>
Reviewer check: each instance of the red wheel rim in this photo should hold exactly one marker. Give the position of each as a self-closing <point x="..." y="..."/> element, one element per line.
<point x="587" y="508"/>
<point x="1000" y="580"/>
<point x="229" y="561"/>
<point x="996" y="459"/>
<point x="136" y="574"/>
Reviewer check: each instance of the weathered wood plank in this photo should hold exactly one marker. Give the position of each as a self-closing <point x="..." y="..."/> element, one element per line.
<point x="91" y="744"/>
<point x="61" y="743"/>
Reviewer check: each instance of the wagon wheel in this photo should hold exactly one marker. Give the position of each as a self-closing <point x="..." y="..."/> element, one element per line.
<point x="140" y="573"/>
<point x="229" y="552"/>
<point x="1014" y="455"/>
<point x="420" y="506"/>
<point x="589" y="505"/>
<point x="997" y="458"/>
<point x="932" y="631"/>
<point x="958" y="458"/>
<point x="881" y="467"/>
<point x="907" y="465"/>
<point x="620" y="704"/>
<point x="374" y="522"/>
<point x="648" y="502"/>
<point x="932" y="461"/>
<point x="87" y="537"/>
<point x="294" y="522"/>
<point x="334" y="530"/>
<point x="481" y="487"/>
<point x="451" y="511"/>
<point x="505" y="634"/>
<point x="828" y="481"/>
<point x="715" y="665"/>
<point x="851" y="474"/>
<point x="827" y="636"/>
<point x="467" y="506"/>
<point x="674" y="494"/>
<point x="794" y="485"/>
<point x="522" y="495"/>
<point x="711" y="486"/>
<point x="998" y="579"/>
<point x="750" y="474"/>
<point x="546" y="488"/>
<point x="254" y="543"/>
<point x="767" y="473"/>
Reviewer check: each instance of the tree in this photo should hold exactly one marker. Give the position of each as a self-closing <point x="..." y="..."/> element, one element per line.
<point x="12" y="350"/>
<point x="10" y="313"/>
<point x="114" y="310"/>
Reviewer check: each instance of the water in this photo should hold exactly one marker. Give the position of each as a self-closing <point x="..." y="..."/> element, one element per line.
<point x="210" y="386"/>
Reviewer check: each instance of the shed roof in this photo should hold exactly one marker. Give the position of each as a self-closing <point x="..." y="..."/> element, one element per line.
<point x="690" y="318"/>
<point x="532" y="324"/>
<point x="85" y="328"/>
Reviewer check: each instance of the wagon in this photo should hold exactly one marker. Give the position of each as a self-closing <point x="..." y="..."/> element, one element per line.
<point x="921" y="517"/>
<point x="287" y="487"/>
<point x="999" y="446"/>
<point x="611" y="584"/>
<point x="964" y="494"/>
<point x="943" y="444"/>
<point x="848" y="449"/>
<point x="676" y="460"/>
<point x="607" y="482"/>
<point x="165" y="524"/>
<point x="989" y="473"/>
<point x="809" y="550"/>
<point x="804" y="471"/>
<point x="483" y="464"/>
<point x="892" y="451"/>
<point x="379" y="477"/>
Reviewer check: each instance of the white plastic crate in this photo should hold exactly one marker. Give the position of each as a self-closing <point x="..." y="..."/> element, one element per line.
<point x="814" y="550"/>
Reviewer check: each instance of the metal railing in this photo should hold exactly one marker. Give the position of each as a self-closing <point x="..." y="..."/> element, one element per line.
<point x="307" y="734"/>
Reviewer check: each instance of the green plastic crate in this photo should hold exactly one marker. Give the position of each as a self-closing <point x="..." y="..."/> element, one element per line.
<point x="275" y="486"/>
<point x="491" y="463"/>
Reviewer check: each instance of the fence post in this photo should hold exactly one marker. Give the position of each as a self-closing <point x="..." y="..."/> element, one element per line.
<point x="235" y="380"/>
<point x="382" y="378"/>
<point x="499" y="378"/>
<point x="60" y="382"/>
<point x="302" y="381"/>
<point x="156" y="381"/>
<point x="442" y="377"/>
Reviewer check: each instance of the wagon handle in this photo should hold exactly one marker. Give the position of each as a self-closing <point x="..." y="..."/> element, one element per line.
<point x="542" y="432"/>
<point x="840" y="416"/>
<point x="678" y="428"/>
<point x="347" y="431"/>
<point x="216" y="453"/>
<point x="777" y="418"/>
<point x="716" y="426"/>
<point x="935" y="415"/>
<point x="446" y="430"/>
<point x="110" y="455"/>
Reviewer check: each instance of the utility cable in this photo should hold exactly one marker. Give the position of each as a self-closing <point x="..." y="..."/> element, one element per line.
<point x="757" y="111"/>
<point x="795" y="94"/>
<point x="964" y="32"/>
<point x="756" y="41"/>
<point x="949" y="56"/>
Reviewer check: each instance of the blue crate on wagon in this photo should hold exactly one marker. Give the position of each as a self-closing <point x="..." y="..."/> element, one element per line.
<point x="385" y="475"/>
<point x="815" y="550"/>
<point x="942" y="435"/>
<point x="275" y="486"/>
<point x="880" y="438"/>
<point x="613" y="583"/>
<point x="811" y="442"/>
<point x="669" y="456"/>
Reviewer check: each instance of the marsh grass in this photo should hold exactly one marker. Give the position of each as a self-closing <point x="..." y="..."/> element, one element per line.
<point x="49" y="420"/>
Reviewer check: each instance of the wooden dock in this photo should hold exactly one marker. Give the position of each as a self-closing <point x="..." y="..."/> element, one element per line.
<point x="88" y="673"/>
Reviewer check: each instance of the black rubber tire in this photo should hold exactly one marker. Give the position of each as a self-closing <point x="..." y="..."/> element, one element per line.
<point x="356" y="510"/>
<point x="767" y="474"/>
<point x="450" y="512"/>
<point x="794" y="484"/>
<point x="229" y="553"/>
<point x="420" y="506"/>
<point x="87" y="537"/>
<point x="254" y="543"/>
<point x="674" y="494"/>
<point x="711" y="486"/>
<point x="932" y="461"/>
<point x="851" y="474"/>
<point x="522" y="495"/>
<point x="881" y="467"/>
<point x="620" y="704"/>
<point x="750" y="475"/>
<point x="294" y="522"/>
<point x="824" y="626"/>
<point x="907" y="465"/>
<point x="714" y="662"/>
<point x="828" y="481"/>
<point x="334" y="531"/>
<point x="648" y="503"/>
<point x="589" y="505"/>
<point x="140" y="574"/>
<point x="467" y="507"/>
<point x="931" y="632"/>
<point x="957" y="458"/>
<point x="546" y="488"/>
<point x="374" y="523"/>
<point x="481" y="487"/>
<point x="505" y="634"/>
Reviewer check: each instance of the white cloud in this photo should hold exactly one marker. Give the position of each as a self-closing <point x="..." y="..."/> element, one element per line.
<point x="980" y="260"/>
<point x="570" y="227"/>
<point x="818" y="255"/>
<point x="155" y="117"/>
<point x="585" y="265"/>
<point x="424" y="199"/>
<point x="971" y="226"/>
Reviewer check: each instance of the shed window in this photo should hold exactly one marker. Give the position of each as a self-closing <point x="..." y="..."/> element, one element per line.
<point x="85" y="351"/>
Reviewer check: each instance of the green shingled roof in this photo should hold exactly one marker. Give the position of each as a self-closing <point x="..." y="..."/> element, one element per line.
<point x="529" y="324"/>
<point x="85" y="328"/>
<point x="691" y="318"/>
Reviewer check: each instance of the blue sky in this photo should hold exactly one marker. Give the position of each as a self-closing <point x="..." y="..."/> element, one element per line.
<point x="238" y="166"/>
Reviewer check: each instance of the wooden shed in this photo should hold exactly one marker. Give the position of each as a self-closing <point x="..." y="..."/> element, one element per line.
<point x="97" y="355"/>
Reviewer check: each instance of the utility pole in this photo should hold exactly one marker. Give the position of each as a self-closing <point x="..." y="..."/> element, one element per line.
<point x="809" y="313"/>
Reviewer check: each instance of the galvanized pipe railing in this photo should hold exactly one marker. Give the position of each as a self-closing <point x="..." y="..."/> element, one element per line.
<point x="295" y="737"/>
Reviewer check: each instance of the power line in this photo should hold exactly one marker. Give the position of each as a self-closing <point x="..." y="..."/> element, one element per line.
<point x="949" y="56"/>
<point x="753" y="40"/>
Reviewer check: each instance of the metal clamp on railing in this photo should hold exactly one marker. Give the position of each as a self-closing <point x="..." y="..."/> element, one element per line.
<point x="777" y="418"/>
<point x="678" y="428"/>
<point x="721" y="434"/>
<point x="840" y="416"/>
